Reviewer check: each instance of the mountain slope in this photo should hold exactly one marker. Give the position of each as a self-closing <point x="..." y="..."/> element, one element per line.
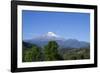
<point x="62" y="42"/>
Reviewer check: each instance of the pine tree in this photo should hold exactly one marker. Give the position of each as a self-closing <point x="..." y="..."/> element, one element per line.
<point x="32" y="54"/>
<point x="51" y="52"/>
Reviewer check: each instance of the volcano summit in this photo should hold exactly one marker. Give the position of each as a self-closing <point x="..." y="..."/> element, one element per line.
<point x="62" y="42"/>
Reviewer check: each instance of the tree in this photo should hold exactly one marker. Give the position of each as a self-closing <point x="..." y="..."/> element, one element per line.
<point x="82" y="56"/>
<point x="32" y="54"/>
<point x="51" y="52"/>
<point x="28" y="56"/>
<point x="36" y="53"/>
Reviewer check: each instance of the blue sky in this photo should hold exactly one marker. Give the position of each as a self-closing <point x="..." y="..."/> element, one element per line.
<point x="69" y="25"/>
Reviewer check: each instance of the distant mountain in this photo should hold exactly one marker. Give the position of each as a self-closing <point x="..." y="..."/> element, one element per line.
<point x="62" y="42"/>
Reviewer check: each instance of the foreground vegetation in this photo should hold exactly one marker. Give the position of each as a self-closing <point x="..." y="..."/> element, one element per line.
<point x="52" y="52"/>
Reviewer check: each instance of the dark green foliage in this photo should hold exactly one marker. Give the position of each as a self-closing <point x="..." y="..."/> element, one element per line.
<point x="73" y="57"/>
<point x="77" y="54"/>
<point x="28" y="56"/>
<point x="32" y="54"/>
<point x="51" y="52"/>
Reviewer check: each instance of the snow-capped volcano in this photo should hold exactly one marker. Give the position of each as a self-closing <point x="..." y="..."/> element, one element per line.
<point x="48" y="37"/>
<point x="51" y="34"/>
<point x="62" y="42"/>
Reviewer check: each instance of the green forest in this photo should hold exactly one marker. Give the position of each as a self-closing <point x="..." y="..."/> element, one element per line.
<point x="52" y="52"/>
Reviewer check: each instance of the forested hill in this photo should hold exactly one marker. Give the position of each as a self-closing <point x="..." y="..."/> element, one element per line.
<point x="51" y="52"/>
